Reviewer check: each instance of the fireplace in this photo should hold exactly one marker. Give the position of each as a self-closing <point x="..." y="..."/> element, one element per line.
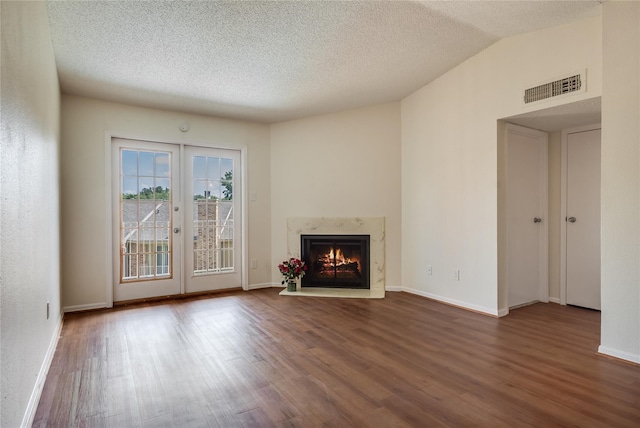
<point x="336" y="261"/>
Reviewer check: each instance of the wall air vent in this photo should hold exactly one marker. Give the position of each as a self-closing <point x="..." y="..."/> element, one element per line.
<point x="563" y="86"/>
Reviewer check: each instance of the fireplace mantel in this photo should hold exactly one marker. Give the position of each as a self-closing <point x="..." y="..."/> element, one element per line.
<point x="372" y="226"/>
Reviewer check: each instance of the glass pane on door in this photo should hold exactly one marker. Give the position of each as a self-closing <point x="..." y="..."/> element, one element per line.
<point x="213" y="215"/>
<point x="145" y="215"/>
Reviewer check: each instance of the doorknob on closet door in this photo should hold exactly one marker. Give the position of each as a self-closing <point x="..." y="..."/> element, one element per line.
<point x="537" y="220"/>
<point x="571" y="219"/>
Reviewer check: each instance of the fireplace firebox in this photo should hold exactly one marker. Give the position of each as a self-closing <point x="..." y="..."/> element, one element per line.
<point x="335" y="261"/>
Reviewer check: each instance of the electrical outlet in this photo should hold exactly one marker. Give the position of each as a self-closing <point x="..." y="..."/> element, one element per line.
<point x="429" y="270"/>
<point x="456" y="274"/>
<point x="254" y="264"/>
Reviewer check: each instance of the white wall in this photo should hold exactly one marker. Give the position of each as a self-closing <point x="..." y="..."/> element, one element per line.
<point x="449" y="158"/>
<point x="553" y="215"/>
<point x="344" y="164"/>
<point x="621" y="181"/>
<point x="84" y="214"/>
<point x="29" y="213"/>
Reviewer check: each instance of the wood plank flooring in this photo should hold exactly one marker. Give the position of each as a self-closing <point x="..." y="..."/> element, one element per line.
<point x="257" y="359"/>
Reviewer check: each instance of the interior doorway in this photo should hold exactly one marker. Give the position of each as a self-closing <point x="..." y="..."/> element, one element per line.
<point x="555" y="121"/>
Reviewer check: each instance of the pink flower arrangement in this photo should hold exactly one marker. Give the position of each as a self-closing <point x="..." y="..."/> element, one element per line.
<point x="292" y="269"/>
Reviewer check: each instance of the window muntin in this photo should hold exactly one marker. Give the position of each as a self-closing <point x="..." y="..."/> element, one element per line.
<point x="145" y="214"/>
<point x="213" y="222"/>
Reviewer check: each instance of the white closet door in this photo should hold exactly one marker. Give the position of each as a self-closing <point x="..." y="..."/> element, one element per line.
<point x="583" y="219"/>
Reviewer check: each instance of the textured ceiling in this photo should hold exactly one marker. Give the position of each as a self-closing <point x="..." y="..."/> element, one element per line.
<point x="270" y="61"/>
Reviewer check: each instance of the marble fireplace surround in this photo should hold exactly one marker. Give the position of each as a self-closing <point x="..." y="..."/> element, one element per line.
<point x="372" y="226"/>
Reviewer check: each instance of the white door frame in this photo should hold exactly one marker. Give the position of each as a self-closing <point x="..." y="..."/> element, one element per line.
<point x="543" y="251"/>
<point x="108" y="136"/>
<point x="563" y="204"/>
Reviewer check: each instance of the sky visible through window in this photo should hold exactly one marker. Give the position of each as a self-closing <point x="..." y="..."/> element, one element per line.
<point x="143" y="172"/>
<point x="212" y="178"/>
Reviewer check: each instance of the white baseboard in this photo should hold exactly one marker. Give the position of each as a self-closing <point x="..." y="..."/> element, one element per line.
<point x="453" y="302"/>
<point x="32" y="406"/>
<point x="87" y="307"/>
<point x="392" y="288"/>
<point x="264" y="285"/>
<point x="503" y="312"/>
<point x="619" y="354"/>
<point x="554" y="300"/>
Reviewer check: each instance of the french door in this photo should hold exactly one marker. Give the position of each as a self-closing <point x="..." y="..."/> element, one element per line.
<point x="159" y="250"/>
<point x="213" y="253"/>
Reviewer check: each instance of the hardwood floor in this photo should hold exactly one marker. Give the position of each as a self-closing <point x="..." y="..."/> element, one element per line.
<point x="259" y="359"/>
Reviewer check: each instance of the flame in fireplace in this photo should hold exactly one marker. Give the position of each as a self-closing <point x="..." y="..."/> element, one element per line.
<point x="336" y="261"/>
<point x="339" y="257"/>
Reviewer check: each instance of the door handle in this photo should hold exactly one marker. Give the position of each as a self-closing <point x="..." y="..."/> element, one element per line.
<point x="537" y="220"/>
<point x="176" y="230"/>
<point x="571" y="219"/>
